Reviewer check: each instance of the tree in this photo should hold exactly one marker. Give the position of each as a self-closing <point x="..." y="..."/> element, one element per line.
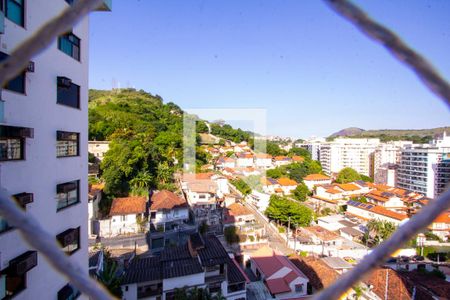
<point x="300" y="152"/>
<point x="242" y="186"/>
<point x="231" y="235"/>
<point x="141" y="183"/>
<point x="281" y="209"/>
<point x="273" y="149"/>
<point x="202" y="127"/>
<point x="347" y="175"/>
<point x="109" y="276"/>
<point x="301" y="192"/>
<point x="366" y="178"/>
<point x="276" y="173"/>
<point x="378" y="231"/>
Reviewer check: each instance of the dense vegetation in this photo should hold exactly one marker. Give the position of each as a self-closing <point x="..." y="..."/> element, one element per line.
<point x="229" y="133"/>
<point x="145" y="136"/>
<point x="282" y="209"/>
<point x="296" y="171"/>
<point x="347" y="175"/>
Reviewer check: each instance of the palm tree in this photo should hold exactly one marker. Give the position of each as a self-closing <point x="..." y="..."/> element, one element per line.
<point x="141" y="182"/>
<point x="108" y="277"/>
<point x="164" y="173"/>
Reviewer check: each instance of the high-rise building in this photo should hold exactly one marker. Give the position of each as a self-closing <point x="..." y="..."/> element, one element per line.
<point x="386" y="159"/>
<point x="43" y="148"/>
<point x="348" y="152"/>
<point x="313" y="146"/>
<point x="425" y="168"/>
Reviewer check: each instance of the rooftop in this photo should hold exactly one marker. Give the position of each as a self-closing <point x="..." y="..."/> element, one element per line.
<point x="128" y="206"/>
<point x="316" y="177"/>
<point x="378" y="210"/>
<point x="166" y="200"/>
<point x="319" y="273"/>
<point x="336" y="263"/>
<point x="284" y="181"/>
<point x="322" y="233"/>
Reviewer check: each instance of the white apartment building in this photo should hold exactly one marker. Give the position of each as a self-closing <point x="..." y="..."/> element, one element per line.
<point x="347" y="152"/>
<point x="425" y="168"/>
<point x="43" y="148"/>
<point x="313" y="146"/>
<point x="386" y="159"/>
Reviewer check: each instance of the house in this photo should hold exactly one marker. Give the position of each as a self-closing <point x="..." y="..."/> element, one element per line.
<point x="263" y="161"/>
<point x="350" y="189"/>
<point x="98" y="148"/>
<point x="338" y="264"/>
<point x="335" y="222"/>
<point x="287" y="185"/>
<point x="202" y="198"/>
<point x="270" y="185"/>
<point x="321" y="236"/>
<point x="168" y="219"/>
<point x="125" y="216"/>
<point x="238" y="215"/>
<point x="280" y="276"/>
<point x="441" y="226"/>
<point x="386" y="283"/>
<point x="328" y="192"/>
<point x="202" y="263"/>
<point x="367" y="211"/>
<point x="386" y="199"/>
<point x="351" y="233"/>
<point x="312" y="180"/>
<point x="320" y="275"/>
<point x="244" y="159"/>
<point x="260" y="200"/>
<point x="298" y="159"/>
<point x="281" y="161"/>
<point x="225" y="162"/>
<point x="95" y="192"/>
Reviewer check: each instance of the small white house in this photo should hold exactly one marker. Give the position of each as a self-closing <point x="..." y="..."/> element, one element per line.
<point x="263" y="161"/>
<point x="244" y="160"/>
<point x="316" y="179"/>
<point x="167" y="210"/>
<point x="287" y="185"/>
<point x="124" y="216"/>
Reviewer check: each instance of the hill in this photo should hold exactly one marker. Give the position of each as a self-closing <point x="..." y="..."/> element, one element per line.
<point x="146" y="138"/>
<point x="415" y="135"/>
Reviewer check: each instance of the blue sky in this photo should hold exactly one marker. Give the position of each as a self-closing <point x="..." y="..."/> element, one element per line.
<point x="313" y="71"/>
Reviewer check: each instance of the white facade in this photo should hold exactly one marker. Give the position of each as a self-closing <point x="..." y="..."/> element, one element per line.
<point x="98" y="148"/>
<point x="345" y="152"/>
<point x="425" y="168"/>
<point x="117" y="225"/>
<point x="39" y="170"/>
<point x="386" y="158"/>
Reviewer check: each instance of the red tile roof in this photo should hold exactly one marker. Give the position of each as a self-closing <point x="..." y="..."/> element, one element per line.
<point x="348" y="187"/>
<point x="269" y="262"/>
<point x="166" y="200"/>
<point x="237" y="209"/>
<point x="128" y="206"/>
<point x="284" y="181"/>
<point x="197" y="176"/>
<point x="320" y="275"/>
<point x="298" y="158"/>
<point x="315" y="177"/>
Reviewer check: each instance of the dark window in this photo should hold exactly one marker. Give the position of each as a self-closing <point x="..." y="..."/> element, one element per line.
<point x="68" y="92"/>
<point x="11" y="148"/>
<point x="69" y="240"/>
<point x="68" y="143"/>
<point x="67" y="194"/>
<point x="70" y="2"/>
<point x="16" y="84"/>
<point x="13" y="279"/>
<point x="22" y="199"/>
<point x="15" y="11"/>
<point x="68" y="292"/>
<point x="69" y="43"/>
<point x="4" y="226"/>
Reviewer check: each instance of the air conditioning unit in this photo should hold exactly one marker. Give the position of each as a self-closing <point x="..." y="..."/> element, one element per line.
<point x="27" y="132"/>
<point x="64" y="82"/>
<point x="24" y="198"/>
<point x="23" y="263"/>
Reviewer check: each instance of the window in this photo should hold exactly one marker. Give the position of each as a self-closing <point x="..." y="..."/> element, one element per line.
<point x="68" y="93"/>
<point x="299" y="288"/>
<point x="4" y="226"/>
<point x="16" y="84"/>
<point x="70" y="2"/>
<point x="70" y="44"/>
<point x="68" y="143"/>
<point x="13" y="279"/>
<point x="68" y="292"/>
<point x="69" y="240"/>
<point x="11" y="149"/>
<point x="22" y="199"/>
<point x="15" y="11"/>
<point x="67" y="194"/>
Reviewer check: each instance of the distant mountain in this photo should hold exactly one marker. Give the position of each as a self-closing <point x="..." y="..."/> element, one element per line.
<point x="351" y="131"/>
<point x="415" y="135"/>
